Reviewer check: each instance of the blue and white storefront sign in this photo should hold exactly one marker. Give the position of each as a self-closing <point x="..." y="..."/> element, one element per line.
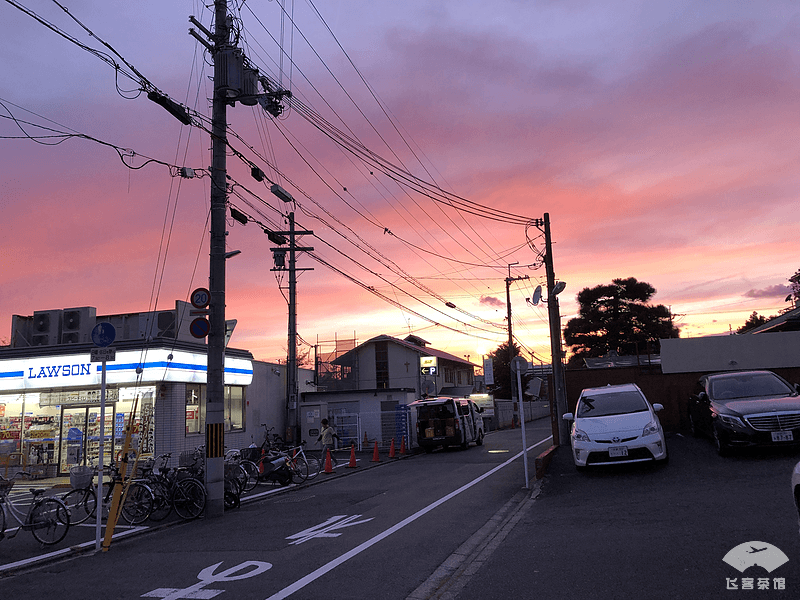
<point x="77" y="370"/>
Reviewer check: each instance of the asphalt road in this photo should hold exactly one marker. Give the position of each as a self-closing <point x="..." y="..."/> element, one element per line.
<point x="634" y="532"/>
<point x="373" y="532"/>
<point x="458" y="525"/>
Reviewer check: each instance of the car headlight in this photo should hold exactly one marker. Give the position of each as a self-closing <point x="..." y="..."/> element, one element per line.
<point x="580" y="436"/>
<point x="731" y="420"/>
<point x="650" y="428"/>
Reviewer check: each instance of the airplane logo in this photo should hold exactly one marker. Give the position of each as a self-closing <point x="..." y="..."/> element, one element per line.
<point x="750" y="554"/>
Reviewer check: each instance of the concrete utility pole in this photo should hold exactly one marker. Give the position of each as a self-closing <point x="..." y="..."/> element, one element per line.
<point x="215" y="383"/>
<point x="292" y="384"/>
<point x="555" y="336"/>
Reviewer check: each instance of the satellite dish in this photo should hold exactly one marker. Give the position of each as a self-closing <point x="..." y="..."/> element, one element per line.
<point x="537" y="295"/>
<point x="428" y="388"/>
<point x="558" y="288"/>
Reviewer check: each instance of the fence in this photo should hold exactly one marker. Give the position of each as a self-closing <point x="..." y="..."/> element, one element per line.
<point x="378" y="426"/>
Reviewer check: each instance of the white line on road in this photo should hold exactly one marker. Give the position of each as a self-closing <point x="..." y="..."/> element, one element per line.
<point x="326" y="568"/>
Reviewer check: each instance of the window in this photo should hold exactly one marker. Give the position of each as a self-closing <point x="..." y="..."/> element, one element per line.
<point x="382" y="365"/>
<point x="234" y="408"/>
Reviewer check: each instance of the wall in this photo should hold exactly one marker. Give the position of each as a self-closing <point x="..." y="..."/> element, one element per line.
<point x="723" y="353"/>
<point x="670" y="389"/>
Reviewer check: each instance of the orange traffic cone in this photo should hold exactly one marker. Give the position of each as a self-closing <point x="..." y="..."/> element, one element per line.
<point x="391" y="449"/>
<point x="352" y="464"/>
<point x="403" y="445"/>
<point x="261" y="462"/>
<point x="328" y="465"/>
<point x="375" y="456"/>
<point x="366" y="441"/>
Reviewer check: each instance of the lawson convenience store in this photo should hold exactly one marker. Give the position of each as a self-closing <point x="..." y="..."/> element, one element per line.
<point x="50" y="402"/>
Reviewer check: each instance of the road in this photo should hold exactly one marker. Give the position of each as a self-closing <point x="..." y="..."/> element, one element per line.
<point x="650" y="532"/>
<point x="377" y="532"/>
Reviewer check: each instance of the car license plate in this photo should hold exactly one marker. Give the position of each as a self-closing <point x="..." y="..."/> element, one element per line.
<point x="617" y="451"/>
<point x="782" y="436"/>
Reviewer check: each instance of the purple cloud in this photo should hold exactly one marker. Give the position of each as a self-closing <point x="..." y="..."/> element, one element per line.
<point x="772" y="291"/>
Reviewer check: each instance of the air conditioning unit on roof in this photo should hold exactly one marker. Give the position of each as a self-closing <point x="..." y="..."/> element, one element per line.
<point x="46" y="330"/>
<point x="77" y="324"/>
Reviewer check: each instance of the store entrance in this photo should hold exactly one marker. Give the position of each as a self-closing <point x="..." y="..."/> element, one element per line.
<point x="80" y="436"/>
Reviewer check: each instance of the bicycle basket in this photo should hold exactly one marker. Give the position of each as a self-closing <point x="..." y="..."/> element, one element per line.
<point x="187" y="459"/>
<point x="80" y="477"/>
<point x="5" y="487"/>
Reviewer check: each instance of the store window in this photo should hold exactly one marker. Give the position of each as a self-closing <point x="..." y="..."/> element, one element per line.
<point x="234" y="408"/>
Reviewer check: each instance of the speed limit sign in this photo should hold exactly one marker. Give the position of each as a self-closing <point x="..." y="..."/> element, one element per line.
<point x="201" y="298"/>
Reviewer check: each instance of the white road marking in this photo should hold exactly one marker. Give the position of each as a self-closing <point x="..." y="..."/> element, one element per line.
<point x="244" y="570"/>
<point x="325" y="529"/>
<point x="327" y="568"/>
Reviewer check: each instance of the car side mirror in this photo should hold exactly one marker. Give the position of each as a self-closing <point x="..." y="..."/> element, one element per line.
<point x="568" y="416"/>
<point x="703" y="397"/>
<point x="657" y="407"/>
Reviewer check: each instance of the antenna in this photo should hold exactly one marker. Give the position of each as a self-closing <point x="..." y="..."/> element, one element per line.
<point x="537" y="295"/>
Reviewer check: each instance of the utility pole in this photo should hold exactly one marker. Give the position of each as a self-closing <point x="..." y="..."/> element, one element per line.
<point x="511" y="353"/>
<point x="555" y="336"/>
<point x="292" y="383"/>
<point x="215" y="383"/>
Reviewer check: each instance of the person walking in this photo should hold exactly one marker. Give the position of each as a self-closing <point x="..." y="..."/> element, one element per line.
<point x="327" y="436"/>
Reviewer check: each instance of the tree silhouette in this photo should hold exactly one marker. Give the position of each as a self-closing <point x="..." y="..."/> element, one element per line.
<point x="618" y="318"/>
<point x="752" y="322"/>
<point x="501" y="363"/>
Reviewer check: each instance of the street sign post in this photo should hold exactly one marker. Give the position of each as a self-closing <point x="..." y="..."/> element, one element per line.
<point x="103" y="335"/>
<point x="519" y="365"/>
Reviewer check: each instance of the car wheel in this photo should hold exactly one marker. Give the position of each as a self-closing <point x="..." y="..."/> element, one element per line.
<point x="722" y="448"/>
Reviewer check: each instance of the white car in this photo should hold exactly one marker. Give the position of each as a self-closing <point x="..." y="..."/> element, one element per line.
<point x="796" y="488"/>
<point x="616" y="424"/>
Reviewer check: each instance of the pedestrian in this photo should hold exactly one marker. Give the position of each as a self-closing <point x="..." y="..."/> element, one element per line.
<point x="326" y="437"/>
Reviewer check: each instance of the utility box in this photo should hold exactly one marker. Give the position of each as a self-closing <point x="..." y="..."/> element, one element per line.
<point x="311" y="416"/>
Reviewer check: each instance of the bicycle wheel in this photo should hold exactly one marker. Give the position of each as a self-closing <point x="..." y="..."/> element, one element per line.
<point x="238" y="473"/>
<point x="139" y="503"/>
<point x="81" y="504"/>
<point x="252" y="474"/>
<point x="189" y="498"/>
<point x="314" y="466"/>
<point x="48" y="521"/>
<point x="162" y="504"/>
<point x="299" y="468"/>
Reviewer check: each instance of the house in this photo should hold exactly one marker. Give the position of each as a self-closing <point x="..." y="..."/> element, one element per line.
<point x="366" y="390"/>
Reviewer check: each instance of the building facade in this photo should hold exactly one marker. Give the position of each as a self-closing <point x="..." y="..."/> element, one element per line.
<point x="51" y="402"/>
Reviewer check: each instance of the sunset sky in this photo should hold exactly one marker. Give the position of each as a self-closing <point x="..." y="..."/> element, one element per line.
<point x="661" y="137"/>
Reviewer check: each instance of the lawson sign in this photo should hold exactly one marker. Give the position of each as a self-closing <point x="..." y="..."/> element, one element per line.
<point x="77" y="370"/>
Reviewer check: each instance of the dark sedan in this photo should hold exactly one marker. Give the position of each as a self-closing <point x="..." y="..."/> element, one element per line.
<point x="745" y="408"/>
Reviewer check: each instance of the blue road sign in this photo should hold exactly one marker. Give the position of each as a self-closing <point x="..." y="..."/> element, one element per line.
<point x="103" y="334"/>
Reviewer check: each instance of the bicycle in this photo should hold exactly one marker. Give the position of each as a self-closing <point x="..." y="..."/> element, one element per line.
<point x="138" y="500"/>
<point x="312" y="464"/>
<point x="174" y="489"/>
<point x="47" y="518"/>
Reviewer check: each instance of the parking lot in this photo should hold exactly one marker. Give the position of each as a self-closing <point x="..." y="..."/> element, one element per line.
<point x="632" y="531"/>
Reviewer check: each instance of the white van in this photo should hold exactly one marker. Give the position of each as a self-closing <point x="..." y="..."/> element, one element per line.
<point x="446" y="421"/>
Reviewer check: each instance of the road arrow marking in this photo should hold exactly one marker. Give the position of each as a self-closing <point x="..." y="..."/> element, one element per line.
<point x="323" y="530"/>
